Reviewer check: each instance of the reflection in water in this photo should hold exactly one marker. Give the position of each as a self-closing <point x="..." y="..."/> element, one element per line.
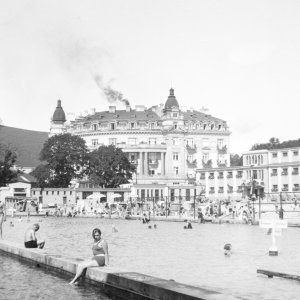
<point x="194" y="257"/>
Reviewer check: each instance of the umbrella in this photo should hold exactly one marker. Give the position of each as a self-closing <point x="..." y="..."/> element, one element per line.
<point x="116" y="195"/>
<point x="95" y="196"/>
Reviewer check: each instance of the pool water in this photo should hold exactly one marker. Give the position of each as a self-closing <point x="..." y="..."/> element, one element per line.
<point x="19" y="280"/>
<point x="194" y="257"/>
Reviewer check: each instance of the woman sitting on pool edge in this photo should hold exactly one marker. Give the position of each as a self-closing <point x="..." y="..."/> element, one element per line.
<point x="100" y="259"/>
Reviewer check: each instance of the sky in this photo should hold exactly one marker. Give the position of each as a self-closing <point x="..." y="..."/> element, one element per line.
<point x="239" y="59"/>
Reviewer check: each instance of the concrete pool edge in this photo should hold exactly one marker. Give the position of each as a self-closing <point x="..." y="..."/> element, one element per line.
<point x="127" y="285"/>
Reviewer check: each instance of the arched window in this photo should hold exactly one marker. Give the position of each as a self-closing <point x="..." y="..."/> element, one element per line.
<point x="259" y="159"/>
<point x="262" y="159"/>
<point x="94" y="126"/>
<point x="212" y="126"/>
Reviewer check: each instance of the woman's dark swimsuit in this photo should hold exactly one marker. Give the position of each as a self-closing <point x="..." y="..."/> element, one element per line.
<point x="99" y="254"/>
<point x="31" y="244"/>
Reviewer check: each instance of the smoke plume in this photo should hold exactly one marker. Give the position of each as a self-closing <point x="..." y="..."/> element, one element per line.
<point x="111" y="95"/>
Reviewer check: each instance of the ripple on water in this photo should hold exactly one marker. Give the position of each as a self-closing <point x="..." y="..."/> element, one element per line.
<point x="190" y="256"/>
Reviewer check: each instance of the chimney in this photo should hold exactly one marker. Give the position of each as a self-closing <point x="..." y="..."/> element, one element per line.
<point x="112" y="109"/>
<point x="128" y="108"/>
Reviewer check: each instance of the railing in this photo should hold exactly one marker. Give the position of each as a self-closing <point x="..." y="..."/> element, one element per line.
<point x="229" y="176"/>
<point x="239" y="176"/>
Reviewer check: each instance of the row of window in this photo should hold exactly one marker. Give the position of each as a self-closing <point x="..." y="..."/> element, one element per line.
<point x="285" y="188"/>
<point x="153" y="141"/>
<point x="52" y="192"/>
<point x="221" y="175"/>
<point x="153" y="125"/>
<point x="254" y="159"/>
<point x="284" y="172"/>
<point x="285" y="154"/>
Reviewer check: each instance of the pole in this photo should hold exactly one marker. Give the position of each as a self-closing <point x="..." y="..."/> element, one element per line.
<point x="194" y="207"/>
<point x="281" y="210"/>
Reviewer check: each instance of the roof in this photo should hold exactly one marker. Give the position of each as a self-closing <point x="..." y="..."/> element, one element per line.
<point x="59" y="114"/>
<point x="171" y="101"/>
<point x="27" y="143"/>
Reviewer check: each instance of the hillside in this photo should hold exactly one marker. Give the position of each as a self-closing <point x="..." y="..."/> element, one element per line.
<point x="27" y="144"/>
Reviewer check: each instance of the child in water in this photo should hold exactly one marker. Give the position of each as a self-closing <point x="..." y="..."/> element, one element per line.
<point x="227" y="248"/>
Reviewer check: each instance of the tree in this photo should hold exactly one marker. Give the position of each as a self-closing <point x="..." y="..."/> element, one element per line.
<point x="109" y="167"/>
<point x="66" y="156"/>
<point x="236" y="160"/>
<point x="43" y="175"/>
<point x="274" y="143"/>
<point x="8" y="158"/>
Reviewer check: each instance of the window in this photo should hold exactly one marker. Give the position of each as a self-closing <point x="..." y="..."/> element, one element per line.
<point x="175" y="142"/>
<point x="205" y="142"/>
<point x="295" y="171"/>
<point x="152" y="125"/>
<point x="211" y="190"/>
<point x="47" y="192"/>
<point x="274" y="188"/>
<point x="112" y="126"/>
<point x="152" y="141"/>
<point x="112" y="141"/>
<point x="190" y="142"/>
<point x="95" y="142"/>
<point x="174" y="115"/>
<point x="176" y="170"/>
<point x="284" y="171"/>
<point x="175" y="155"/>
<point x="229" y="175"/>
<point x="211" y="176"/>
<point x="284" y="154"/>
<point x="190" y="158"/>
<point x="221" y="175"/>
<point x="274" y="172"/>
<point x="175" y="125"/>
<point x="57" y="192"/>
<point x="295" y="153"/>
<point x="52" y="192"/>
<point x="204" y="126"/>
<point x="285" y="187"/>
<point x="131" y="141"/>
<point x="205" y="157"/>
<point x="94" y="126"/>
<point x="220" y="143"/>
<point x="132" y="125"/>
<point x="274" y="154"/>
<point x="64" y="192"/>
<point x="70" y="193"/>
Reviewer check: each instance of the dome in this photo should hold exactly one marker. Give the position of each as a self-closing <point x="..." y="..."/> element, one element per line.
<point x="172" y="101"/>
<point x="59" y="114"/>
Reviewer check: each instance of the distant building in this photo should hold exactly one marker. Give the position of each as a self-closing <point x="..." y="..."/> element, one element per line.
<point x="265" y="173"/>
<point x="166" y="143"/>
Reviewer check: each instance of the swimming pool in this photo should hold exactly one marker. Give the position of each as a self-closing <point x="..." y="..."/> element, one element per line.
<point x="189" y="256"/>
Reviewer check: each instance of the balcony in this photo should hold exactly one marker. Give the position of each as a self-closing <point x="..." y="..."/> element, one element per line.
<point x="191" y="149"/>
<point x="230" y="191"/>
<point x="274" y="190"/>
<point x="274" y="174"/>
<point x="284" y="173"/>
<point x="192" y="164"/>
<point x="211" y="191"/>
<point x="207" y="164"/>
<point x="229" y="176"/>
<point x="239" y="176"/>
<point x="202" y="177"/>
<point x="211" y="177"/>
<point x="285" y="189"/>
<point x="220" y="177"/>
<point x="296" y="189"/>
<point x="221" y="191"/>
<point x="295" y="173"/>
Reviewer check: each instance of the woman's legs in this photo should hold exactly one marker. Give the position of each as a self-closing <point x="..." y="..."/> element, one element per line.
<point x="83" y="265"/>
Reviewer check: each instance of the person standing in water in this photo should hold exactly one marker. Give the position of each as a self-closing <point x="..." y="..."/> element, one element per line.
<point x="100" y="258"/>
<point x="30" y="240"/>
<point x="2" y="216"/>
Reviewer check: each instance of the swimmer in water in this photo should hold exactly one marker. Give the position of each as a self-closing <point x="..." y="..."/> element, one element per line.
<point x="11" y="224"/>
<point x="227" y="248"/>
<point x="155" y="226"/>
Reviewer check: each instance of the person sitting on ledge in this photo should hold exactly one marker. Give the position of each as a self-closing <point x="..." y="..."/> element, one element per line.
<point x="30" y="240"/>
<point x="100" y="252"/>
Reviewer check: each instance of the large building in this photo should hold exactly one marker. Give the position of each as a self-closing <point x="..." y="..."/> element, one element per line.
<point x="265" y="173"/>
<point x="167" y="143"/>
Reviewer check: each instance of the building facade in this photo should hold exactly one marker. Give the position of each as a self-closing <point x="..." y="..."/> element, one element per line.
<point x="167" y="143"/>
<point x="265" y="173"/>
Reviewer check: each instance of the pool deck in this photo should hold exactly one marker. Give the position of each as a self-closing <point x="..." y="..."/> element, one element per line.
<point x="115" y="282"/>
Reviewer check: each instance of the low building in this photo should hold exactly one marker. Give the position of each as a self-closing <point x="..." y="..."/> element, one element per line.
<point x="265" y="173"/>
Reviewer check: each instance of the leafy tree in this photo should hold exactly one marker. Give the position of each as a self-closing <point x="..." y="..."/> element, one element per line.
<point x="274" y="143"/>
<point x="109" y="167"/>
<point x="8" y="158"/>
<point x="236" y="160"/>
<point x="66" y="156"/>
<point x="43" y="175"/>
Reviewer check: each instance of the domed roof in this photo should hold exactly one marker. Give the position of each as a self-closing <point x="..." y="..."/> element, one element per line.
<point x="172" y="101"/>
<point x="59" y="114"/>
